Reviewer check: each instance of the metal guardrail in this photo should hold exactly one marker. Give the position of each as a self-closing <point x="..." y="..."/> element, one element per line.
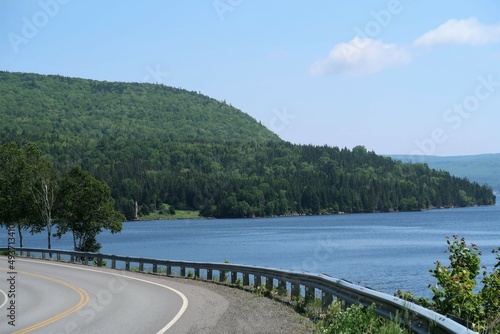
<point x="419" y="319"/>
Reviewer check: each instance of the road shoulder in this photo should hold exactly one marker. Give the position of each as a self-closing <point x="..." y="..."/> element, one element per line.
<point x="231" y="310"/>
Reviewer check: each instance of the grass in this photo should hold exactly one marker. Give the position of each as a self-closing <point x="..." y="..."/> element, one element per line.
<point x="164" y="213"/>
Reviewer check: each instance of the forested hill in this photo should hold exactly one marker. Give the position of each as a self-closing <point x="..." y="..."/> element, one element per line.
<point x="158" y="145"/>
<point x="61" y="109"/>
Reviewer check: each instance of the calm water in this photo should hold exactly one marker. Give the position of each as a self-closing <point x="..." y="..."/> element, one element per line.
<point x="385" y="251"/>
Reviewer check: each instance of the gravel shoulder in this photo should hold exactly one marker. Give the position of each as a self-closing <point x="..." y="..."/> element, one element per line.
<point x="222" y="309"/>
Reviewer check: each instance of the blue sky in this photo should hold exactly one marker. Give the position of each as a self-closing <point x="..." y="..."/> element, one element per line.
<point x="398" y="76"/>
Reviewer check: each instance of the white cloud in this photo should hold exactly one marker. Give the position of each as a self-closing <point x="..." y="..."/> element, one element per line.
<point x="469" y="31"/>
<point x="361" y="56"/>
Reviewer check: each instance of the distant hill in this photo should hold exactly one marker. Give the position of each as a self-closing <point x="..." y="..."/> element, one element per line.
<point x="483" y="168"/>
<point x="54" y="108"/>
<point x="156" y="145"/>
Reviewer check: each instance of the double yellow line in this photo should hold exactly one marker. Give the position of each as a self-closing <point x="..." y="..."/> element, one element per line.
<point x="84" y="299"/>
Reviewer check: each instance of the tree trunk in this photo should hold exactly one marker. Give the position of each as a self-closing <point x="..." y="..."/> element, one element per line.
<point x="19" y="229"/>
<point x="49" y="229"/>
<point x="48" y="238"/>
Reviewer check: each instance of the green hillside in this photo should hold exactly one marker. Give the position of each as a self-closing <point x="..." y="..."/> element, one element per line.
<point x="482" y="168"/>
<point x="158" y="147"/>
<point x="56" y="108"/>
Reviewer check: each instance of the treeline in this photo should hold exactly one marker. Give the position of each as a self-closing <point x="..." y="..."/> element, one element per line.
<point x="154" y="144"/>
<point x="272" y="179"/>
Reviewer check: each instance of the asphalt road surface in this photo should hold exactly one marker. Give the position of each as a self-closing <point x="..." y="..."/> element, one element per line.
<point x="48" y="297"/>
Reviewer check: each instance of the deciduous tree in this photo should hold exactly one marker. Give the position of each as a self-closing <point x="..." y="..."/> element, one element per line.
<point x="85" y="208"/>
<point x="16" y="201"/>
<point x="43" y="183"/>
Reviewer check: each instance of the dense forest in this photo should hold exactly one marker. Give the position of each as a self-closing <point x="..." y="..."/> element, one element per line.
<point x="154" y="144"/>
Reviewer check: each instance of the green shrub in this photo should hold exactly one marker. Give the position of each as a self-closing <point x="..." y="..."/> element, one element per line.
<point x="356" y="319"/>
<point x="455" y="292"/>
<point x="100" y="262"/>
<point x="262" y="291"/>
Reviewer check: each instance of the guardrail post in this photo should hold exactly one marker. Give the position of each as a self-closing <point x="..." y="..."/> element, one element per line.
<point x="344" y="305"/>
<point x="209" y="275"/>
<point x="127" y="266"/>
<point x="234" y="277"/>
<point x="28" y="254"/>
<point x="196" y="272"/>
<point x="58" y="257"/>
<point x="113" y="264"/>
<point x="269" y="283"/>
<point x="326" y="299"/>
<point x="257" y="281"/>
<point x="141" y="266"/>
<point x="282" y="287"/>
<point x="155" y="268"/>
<point x="295" y="290"/>
<point x="43" y="255"/>
<point x="169" y="271"/>
<point x="310" y="293"/>
<point x="246" y="279"/>
<point x="222" y="275"/>
<point x="183" y="271"/>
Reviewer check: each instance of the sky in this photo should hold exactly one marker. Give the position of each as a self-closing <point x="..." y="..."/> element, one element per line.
<point x="396" y="76"/>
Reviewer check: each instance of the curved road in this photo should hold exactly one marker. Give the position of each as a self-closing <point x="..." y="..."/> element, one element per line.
<point x="65" y="298"/>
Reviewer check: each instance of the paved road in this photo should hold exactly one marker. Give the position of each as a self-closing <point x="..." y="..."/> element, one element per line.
<point x="65" y="298"/>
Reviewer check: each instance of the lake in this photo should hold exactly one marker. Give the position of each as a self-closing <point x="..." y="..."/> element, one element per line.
<point x="385" y="251"/>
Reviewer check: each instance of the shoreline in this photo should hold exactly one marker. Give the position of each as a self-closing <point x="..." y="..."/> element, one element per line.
<point x="304" y="215"/>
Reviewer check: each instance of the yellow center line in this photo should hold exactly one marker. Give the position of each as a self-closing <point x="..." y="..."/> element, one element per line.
<point x="84" y="299"/>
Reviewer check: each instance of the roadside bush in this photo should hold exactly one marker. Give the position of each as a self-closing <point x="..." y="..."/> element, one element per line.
<point x="100" y="262"/>
<point x="356" y="319"/>
<point x="455" y="293"/>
